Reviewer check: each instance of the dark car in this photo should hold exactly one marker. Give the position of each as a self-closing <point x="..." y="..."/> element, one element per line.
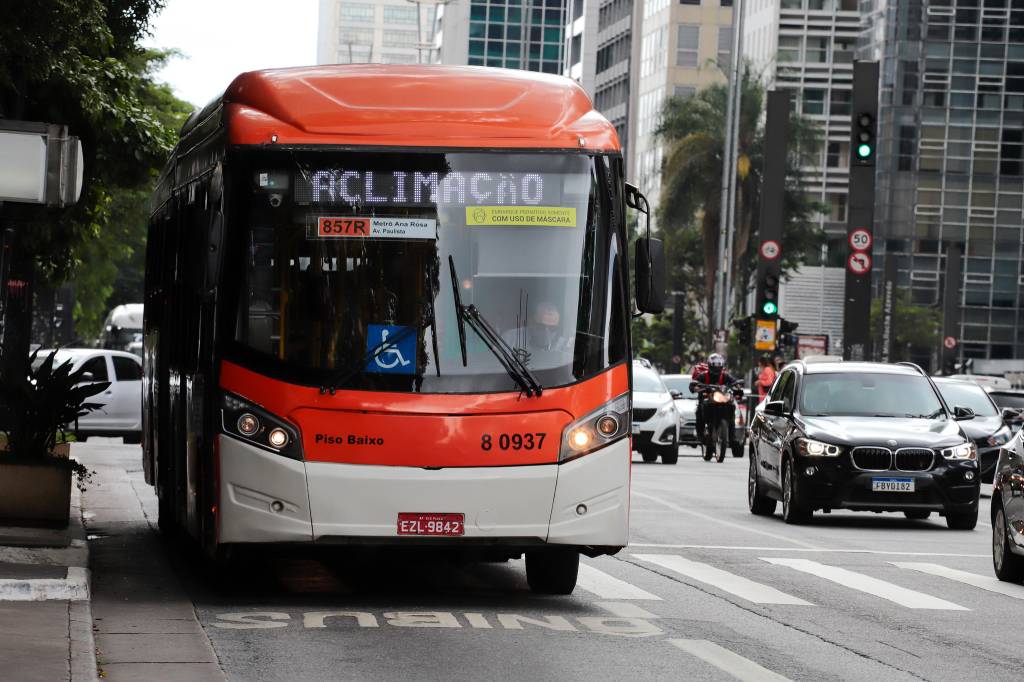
<point x="1008" y="512"/>
<point x="1009" y="399"/>
<point x="988" y="429"/>
<point x="862" y="436"/>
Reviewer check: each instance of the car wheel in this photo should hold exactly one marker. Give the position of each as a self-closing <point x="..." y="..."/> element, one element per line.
<point x="722" y="439"/>
<point x="792" y="510"/>
<point x="669" y="454"/>
<point x="758" y="503"/>
<point x="649" y="456"/>
<point x="917" y="515"/>
<point x="1008" y="566"/>
<point x="966" y="521"/>
<point x="552" y="571"/>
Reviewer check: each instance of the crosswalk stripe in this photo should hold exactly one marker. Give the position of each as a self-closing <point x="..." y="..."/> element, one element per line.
<point x="727" y="661"/>
<point x="723" y="580"/>
<point x="609" y="587"/>
<point x="625" y="609"/>
<point x="981" y="581"/>
<point x="864" y="583"/>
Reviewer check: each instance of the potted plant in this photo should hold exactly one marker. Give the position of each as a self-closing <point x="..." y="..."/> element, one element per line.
<point x="35" y="469"/>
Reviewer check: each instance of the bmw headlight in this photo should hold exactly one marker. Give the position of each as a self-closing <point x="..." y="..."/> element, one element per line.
<point x="1000" y="437"/>
<point x="962" y="451"/>
<point x="815" y="448"/>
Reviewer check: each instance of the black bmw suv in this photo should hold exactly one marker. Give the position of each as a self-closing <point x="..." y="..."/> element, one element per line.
<point x="862" y="436"/>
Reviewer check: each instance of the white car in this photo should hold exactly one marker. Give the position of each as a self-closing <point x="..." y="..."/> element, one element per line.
<point x="655" y="419"/>
<point x="121" y="414"/>
<point x="686" y="405"/>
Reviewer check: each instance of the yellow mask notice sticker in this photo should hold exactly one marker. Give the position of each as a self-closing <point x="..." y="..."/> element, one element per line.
<point x="520" y="216"/>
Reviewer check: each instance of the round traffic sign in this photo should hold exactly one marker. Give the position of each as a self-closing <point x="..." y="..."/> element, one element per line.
<point x="860" y="240"/>
<point x="770" y="249"/>
<point x="949" y="342"/>
<point x="859" y="263"/>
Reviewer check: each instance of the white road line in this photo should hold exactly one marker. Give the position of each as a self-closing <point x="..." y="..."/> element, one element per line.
<point x="727" y="661"/>
<point x="625" y="609"/>
<point x="722" y="580"/>
<point x="73" y="588"/>
<point x="864" y="583"/>
<point x="654" y="545"/>
<point x="982" y="581"/>
<point x="745" y="527"/>
<point x="609" y="587"/>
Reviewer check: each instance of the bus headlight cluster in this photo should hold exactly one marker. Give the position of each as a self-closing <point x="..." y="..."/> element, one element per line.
<point x="601" y="427"/>
<point x="254" y="425"/>
<point x="962" y="451"/>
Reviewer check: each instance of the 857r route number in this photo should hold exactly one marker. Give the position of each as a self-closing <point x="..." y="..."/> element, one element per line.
<point x="512" y="441"/>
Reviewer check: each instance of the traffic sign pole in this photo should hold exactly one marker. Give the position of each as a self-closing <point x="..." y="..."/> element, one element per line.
<point x="860" y="215"/>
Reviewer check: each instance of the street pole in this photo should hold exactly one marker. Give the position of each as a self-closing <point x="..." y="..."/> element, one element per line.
<point x="736" y="91"/>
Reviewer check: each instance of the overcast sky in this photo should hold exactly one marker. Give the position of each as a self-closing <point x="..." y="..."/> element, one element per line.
<point x="220" y="39"/>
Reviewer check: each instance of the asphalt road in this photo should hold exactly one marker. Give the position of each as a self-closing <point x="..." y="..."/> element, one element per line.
<point x="705" y="591"/>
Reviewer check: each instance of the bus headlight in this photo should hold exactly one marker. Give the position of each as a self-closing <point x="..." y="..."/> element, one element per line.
<point x="251" y="424"/>
<point x="601" y="427"/>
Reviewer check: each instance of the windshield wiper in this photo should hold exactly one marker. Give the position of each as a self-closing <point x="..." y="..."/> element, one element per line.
<point x="501" y="350"/>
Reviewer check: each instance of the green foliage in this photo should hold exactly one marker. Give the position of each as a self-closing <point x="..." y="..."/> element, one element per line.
<point x="916" y="327"/>
<point x="38" y="406"/>
<point x="693" y="130"/>
<point x="78" y="62"/>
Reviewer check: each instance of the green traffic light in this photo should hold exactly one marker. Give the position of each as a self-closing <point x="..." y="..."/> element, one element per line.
<point x="770" y="308"/>
<point x="864" y="151"/>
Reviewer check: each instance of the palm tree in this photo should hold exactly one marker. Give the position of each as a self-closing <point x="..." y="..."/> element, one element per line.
<point x="693" y="130"/>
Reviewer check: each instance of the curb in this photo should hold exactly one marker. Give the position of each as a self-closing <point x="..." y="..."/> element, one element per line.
<point x="82" y="644"/>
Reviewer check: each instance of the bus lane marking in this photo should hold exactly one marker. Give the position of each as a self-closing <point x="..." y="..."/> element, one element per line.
<point x="626" y="620"/>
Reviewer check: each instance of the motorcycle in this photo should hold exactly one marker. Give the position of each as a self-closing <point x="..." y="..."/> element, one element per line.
<point x="719" y="406"/>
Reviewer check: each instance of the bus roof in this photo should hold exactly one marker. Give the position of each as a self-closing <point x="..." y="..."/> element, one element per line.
<point x="411" y="106"/>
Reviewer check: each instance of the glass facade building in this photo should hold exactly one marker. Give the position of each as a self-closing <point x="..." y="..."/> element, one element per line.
<point x="512" y="34"/>
<point x="949" y="164"/>
<point x="373" y="31"/>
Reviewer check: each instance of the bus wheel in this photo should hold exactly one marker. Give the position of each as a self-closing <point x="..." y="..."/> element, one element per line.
<point x="165" y="514"/>
<point x="552" y="571"/>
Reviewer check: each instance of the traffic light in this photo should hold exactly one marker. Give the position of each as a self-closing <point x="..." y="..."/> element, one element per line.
<point x="768" y="295"/>
<point x="744" y="327"/>
<point x="864" y="139"/>
<point x="786" y="335"/>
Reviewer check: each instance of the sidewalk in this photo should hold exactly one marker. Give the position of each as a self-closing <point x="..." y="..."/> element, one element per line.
<point x="45" y="617"/>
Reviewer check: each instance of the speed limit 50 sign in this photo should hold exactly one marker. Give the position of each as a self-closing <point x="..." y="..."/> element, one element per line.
<point x="860" y="240"/>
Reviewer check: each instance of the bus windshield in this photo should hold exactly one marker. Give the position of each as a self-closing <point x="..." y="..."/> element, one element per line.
<point x="350" y="258"/>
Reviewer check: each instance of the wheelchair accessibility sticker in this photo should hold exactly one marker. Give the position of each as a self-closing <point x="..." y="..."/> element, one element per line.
<point x="395" y="357"/>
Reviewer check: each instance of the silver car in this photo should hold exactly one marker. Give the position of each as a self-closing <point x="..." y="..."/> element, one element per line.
<point x="686" y="406"/>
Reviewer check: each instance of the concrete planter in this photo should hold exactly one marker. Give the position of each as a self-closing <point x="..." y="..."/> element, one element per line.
<point x="39" y="492"/>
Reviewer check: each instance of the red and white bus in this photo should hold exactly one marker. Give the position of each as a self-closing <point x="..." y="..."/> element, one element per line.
<point x="389" y="305"/>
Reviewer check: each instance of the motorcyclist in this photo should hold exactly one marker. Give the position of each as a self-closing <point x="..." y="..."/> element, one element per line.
<point x="711" y="373"/>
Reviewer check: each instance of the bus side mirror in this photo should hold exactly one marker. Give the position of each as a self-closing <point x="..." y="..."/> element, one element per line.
<point x="650" y="275"/>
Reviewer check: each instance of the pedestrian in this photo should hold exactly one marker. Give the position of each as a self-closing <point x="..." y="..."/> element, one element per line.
<point x="765" y="376"/>
<point x="778" y="363"/>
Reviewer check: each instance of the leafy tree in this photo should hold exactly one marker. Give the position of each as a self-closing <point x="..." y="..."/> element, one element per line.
<point x="693" y="130"/>
<point x="916" y="327"/>
<point x="78" y="62"/>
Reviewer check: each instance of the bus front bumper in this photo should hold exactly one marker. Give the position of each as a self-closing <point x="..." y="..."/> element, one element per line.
<point x="266" y="498"/>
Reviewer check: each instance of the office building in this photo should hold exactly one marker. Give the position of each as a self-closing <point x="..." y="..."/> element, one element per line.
<point x="949" y="164"/>
<point x="513" y="34"/>
<point x="684" y="45"/>
<point x="373" y="31"/>
<point x="807" y="47"/>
